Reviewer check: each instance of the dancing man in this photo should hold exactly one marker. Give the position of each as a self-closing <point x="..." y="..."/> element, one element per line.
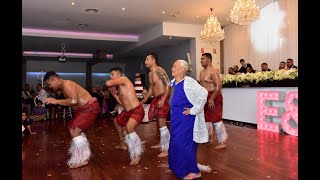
<point x="86" y="109"/>
<point x="210" y="79"/>
<point x="130" y="117"/>
<point x="159" y="107"/>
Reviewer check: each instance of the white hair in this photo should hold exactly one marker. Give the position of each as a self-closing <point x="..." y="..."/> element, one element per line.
<point x="184" y="64"/>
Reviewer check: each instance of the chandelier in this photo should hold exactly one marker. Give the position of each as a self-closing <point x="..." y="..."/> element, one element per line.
<point x="244" y="12"/>
<point x="212" y="32"/>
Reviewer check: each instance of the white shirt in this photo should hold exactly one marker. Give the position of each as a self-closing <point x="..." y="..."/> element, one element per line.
<point x="42" y="95"/>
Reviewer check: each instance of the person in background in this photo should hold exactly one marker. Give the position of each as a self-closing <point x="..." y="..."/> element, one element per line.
<point x="236" y="69"/>
<point x="264" y="67"/>
<point x="250" y="68"/>
<point x="282" y="65"/>
<point x="243" y="68"/>
<point x="290" y="64"/>
<point x="27" y="124"/>
<point x="27" y="98"/>
<point x="39" y="112"/>
<point x="41" y="94"/>
<point x="230" y="71"/>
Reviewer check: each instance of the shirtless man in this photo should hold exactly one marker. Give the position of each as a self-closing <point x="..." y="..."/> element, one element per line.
<point x="86" y="109"/>
<point x="130" y="117"/>
<point x="210" y="79"/>
<point x="159" y="107"/>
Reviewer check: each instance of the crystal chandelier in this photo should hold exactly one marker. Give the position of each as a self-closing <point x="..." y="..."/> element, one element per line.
<point x="212" y="32"/>
<point x="244" y="12"/>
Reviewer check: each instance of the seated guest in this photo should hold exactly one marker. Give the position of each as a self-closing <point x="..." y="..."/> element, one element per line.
<point x="230" y="71"/>
<point x="250" y="69"/>
<point x="235" y="69"/>
<point x="290" y="64"/>
<point x="243" y="68"/>
<point x="264" y="67"/>
<point x="26" y="123"/>
<point x="282" y="65"/>
<point x="39" y="112"/>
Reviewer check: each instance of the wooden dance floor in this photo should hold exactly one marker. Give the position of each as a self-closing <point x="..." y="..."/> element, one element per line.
<point x="250" y="154"/>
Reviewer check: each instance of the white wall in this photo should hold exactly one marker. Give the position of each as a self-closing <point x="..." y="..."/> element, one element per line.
<point x="271" y="39"/>
<point x="167" y="56"/>
<point x="193" y="31"/>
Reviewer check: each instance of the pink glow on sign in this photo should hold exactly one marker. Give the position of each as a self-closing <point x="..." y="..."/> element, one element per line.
<point x="292" y="112"/>
<point x="263" y="110"/>
<point x="127" y="37"/>
<point x="56" y="54"/>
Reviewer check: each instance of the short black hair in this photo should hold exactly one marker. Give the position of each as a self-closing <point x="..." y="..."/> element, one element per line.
<point x="50" y="74"/>
<point x="264" y="64"/>
<point x="208" y="55"/>
<point x="116" y="69"/>
<point x="249" y="65"/>
<point x="283" y="62"/>
<point x="290" y="59"/>
<point x="154" y="56"/>
<point x="38" y="101"/>
<point x="241" y="60"/>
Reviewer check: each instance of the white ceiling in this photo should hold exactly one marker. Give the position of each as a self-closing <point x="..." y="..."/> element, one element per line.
<point x="139" y="15"/>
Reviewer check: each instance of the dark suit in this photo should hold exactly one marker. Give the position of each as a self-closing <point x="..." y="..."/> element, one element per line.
<point x="243" y="70"/>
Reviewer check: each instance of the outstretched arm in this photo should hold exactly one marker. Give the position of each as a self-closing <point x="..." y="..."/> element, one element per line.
<point x="116" y="82"/>
<point x="161" y="73"/>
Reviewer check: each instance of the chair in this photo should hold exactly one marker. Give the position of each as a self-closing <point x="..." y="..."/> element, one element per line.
<point x="65" y="111"/>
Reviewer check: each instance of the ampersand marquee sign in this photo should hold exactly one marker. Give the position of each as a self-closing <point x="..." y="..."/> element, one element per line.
<point x="290" y="113"/>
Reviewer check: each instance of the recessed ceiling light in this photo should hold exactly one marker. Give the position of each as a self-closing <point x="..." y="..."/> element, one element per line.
<point x="197" y="16"/>
<point x="91" y="10"/>
<point x="72" y="3"/>
<point x="163" y="12"/>
<point x="123" y="9"/>
<point x="83" y="25"/>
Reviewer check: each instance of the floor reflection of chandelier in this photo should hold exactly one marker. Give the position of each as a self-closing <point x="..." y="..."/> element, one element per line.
<point x="212" y="32"/>
<point x="244" y="12"/>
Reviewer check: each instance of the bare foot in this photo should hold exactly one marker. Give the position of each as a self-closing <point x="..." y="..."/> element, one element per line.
<point x="163" y="153"/>
<point x="121" y="147"/>
<point x="155" y="146"/>
<point x="135" y="161"/>
<point x="221" y="146"/>
<point x="78" y="165"/>
<point x="193" y="176"/>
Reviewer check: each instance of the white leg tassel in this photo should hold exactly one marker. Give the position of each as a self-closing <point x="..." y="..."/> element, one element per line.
<point x="221" y="132"/>
<point x="135" y="145"/>
<point x="164" y="138"/>
<point x="79" y="150"/>
<point x="210" y="128"/>
<point x="204" y="168"/>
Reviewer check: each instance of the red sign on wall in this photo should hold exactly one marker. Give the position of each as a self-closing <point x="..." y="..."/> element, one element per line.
<point x="202" y="50"/>
<point x="214" y="51"/>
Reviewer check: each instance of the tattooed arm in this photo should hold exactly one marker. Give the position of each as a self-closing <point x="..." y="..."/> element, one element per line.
<point x="161" y="73"/>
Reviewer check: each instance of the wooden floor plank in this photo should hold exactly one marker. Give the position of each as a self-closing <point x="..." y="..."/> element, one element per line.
<point x="250" y="154"/>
